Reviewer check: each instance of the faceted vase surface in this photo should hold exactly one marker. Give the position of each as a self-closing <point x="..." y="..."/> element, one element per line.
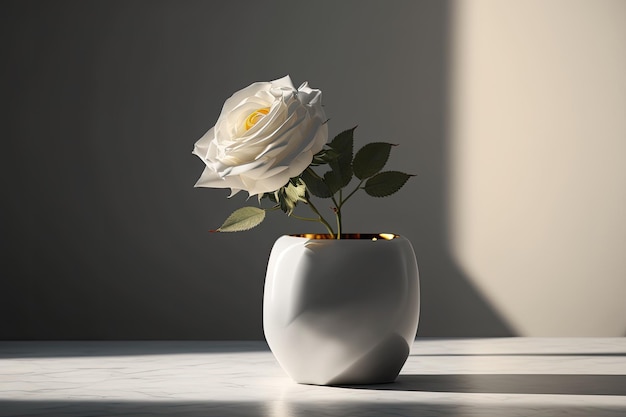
<point x="341" y="311"/>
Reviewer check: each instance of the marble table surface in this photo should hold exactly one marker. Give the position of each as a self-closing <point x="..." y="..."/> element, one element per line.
<point x="442" y="377"/>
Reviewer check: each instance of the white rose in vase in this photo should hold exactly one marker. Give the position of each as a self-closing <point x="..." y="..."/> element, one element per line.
<point x="266" y="134"/>
<point x="270" y="140"/>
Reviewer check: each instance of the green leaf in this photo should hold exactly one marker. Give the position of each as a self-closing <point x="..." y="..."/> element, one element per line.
<point x="341" y="171"/>
<point x="386" y="183"/>
<point x="315" y="185"/>
<point x="344" y="141"/>
<point x="333" y="181"/>
<point x="243" y="219"/>
<point x="343" y="145"/>
<point x="324" y="156"/>
<point x="370" y="159"/>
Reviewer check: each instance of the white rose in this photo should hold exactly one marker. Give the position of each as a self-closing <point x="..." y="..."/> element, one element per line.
<point x="266" y="134"/>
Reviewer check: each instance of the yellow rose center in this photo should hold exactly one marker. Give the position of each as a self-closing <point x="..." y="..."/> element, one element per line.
<point x="255" y="116"/>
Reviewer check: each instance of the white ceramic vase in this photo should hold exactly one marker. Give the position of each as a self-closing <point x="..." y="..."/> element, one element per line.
<point x="341" y="311"/>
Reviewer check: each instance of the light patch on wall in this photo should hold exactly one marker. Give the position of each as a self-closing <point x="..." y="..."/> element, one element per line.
<point x="538" y="157"/>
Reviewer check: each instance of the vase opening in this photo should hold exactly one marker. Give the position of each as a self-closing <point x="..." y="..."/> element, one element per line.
<point x="350" y="236"/>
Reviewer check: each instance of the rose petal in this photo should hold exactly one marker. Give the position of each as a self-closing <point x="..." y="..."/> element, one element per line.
<point x="210" y="178"/>
<point x="279" y="146"/>
<point x="201" y="147"/>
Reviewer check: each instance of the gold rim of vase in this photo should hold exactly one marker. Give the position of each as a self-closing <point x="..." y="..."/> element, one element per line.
<point x="349" y="236"/>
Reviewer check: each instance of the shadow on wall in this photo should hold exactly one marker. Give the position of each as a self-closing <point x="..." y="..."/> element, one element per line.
<point x="452" y="307"/>
<point x="451" y="304"/>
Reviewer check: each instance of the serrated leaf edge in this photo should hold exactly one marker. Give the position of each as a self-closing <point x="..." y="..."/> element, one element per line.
<point x="356" y="155"/>
<point x="227" y="228"/>
<point x="387" y="195"/>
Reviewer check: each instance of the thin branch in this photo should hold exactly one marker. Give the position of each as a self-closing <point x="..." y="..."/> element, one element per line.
<point x="337" y="211"/>
<point x="358" y="187"/>
<point x="307" y="219"/>
<point x="322" y="219"/>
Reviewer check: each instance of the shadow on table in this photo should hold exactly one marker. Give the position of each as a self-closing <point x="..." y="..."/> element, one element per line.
<point x="609" y="354"/>
<point x="293" y="407"/>
<point x="54" y="349"/>
<point x="507" y="384"/>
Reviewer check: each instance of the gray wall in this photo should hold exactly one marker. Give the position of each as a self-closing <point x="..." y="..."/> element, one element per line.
<point x="103" y="235"/>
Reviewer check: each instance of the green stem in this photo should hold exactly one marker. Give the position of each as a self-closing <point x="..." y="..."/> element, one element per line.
<point x="358" y="187"/>
<point x="339" y="218"/>
<point x="337" y="211"/>
<point x="306" y="219"/>
<point x="321" y="218"/>
<point x="338" y="215"/>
